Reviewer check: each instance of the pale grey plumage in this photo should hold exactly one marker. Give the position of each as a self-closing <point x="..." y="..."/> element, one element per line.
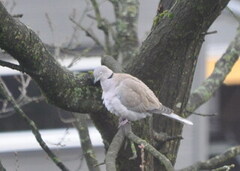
<point x="128" y="97"/>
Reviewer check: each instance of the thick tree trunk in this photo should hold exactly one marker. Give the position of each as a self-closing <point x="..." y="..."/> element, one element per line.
<point x="167" y="61"/>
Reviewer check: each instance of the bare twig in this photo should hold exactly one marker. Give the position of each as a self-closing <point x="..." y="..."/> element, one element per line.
<point x="99" y="164"/>
<point x="215" y="161"/>
<point x="204" y="115"/>
<point x="224" y="168"/>
<point x="102" y="25"/>
<point x="60" y="142"/>
<point x="163" y="137"/>
<point x="130" y="135"/>
<point x="16" y="164"/>
<point x="223" y="66"/>
<point x="134" y="151"/>
<point x="22" y="100"/>
<point x="8" y="111"/>
<point x="86" y="144"/>
<point x="84" y="53"/>
<point x="209" y="32"/>
<point x="50" y="24"/>
<point x="1" y="167"/>
<point x="88" y="33"/>
<point x="17" y="15"/>
<point x="5" y="92"/>
<point x="142" y="166"/>
<point x="24" y="84"/>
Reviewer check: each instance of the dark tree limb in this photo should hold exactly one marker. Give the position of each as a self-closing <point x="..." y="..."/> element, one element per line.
<point x="86" y="144"/>
<point x="215" y="161"/>
<point x="222" y="68"/>
<point x="173" y="45"/>
<point x="11" y="65"/>
<point x="61" y="87"/>
<point x="5" y="93"/>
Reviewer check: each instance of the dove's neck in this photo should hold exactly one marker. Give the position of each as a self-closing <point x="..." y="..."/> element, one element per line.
<point x="106" y="85"/>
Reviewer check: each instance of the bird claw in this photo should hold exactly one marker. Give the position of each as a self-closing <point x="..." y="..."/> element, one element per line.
<point x="122" y="122"/>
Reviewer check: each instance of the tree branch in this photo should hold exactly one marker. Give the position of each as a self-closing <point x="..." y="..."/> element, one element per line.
<point x="103" y="25"/>
<point x="23" y="98"/>
<point x="5" y="93"/>
<point x="162" y="159"/>
<point x="222" y="68"/>
<point x="88" y="33"/>
<point x="224" y="168"/>
<point x="112" y="63"/>
<point x="126" y="38"/>
<point x="113" y="150"/>
<point x="8" y="111"/>
<point x="116" y="144"/>
<point x="215" y="161"/>
<point x="175" y="50"/>
<point x="163" y="137"/>
<point x="1" y="167"/>
<point x="12" y="66"/>
<point x="61" y="87"/>
<point x="86" y="144"/>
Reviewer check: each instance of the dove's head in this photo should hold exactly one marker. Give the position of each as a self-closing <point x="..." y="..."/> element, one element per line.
<point x="102" y="73"/>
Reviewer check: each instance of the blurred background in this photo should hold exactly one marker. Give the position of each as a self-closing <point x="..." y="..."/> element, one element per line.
<point x="50" y="19"/>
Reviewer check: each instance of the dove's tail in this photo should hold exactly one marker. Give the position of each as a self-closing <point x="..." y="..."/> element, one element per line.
<point x="178" y="118"/>
<point x="165" y="111"/>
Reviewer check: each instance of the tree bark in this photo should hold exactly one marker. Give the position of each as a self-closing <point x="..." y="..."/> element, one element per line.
<point x="167" y="61"/>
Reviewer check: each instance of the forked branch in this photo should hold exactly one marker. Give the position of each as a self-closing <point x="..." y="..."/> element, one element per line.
<point x="126" y="131"/>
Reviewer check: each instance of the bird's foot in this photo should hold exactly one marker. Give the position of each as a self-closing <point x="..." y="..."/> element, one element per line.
<point x="122" y="121"/>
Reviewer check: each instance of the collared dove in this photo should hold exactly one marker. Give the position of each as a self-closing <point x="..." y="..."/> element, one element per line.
<point x="129" y="98"/>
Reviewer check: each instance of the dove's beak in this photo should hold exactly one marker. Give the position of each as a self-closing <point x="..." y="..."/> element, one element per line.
<point x="95" y="80"/>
